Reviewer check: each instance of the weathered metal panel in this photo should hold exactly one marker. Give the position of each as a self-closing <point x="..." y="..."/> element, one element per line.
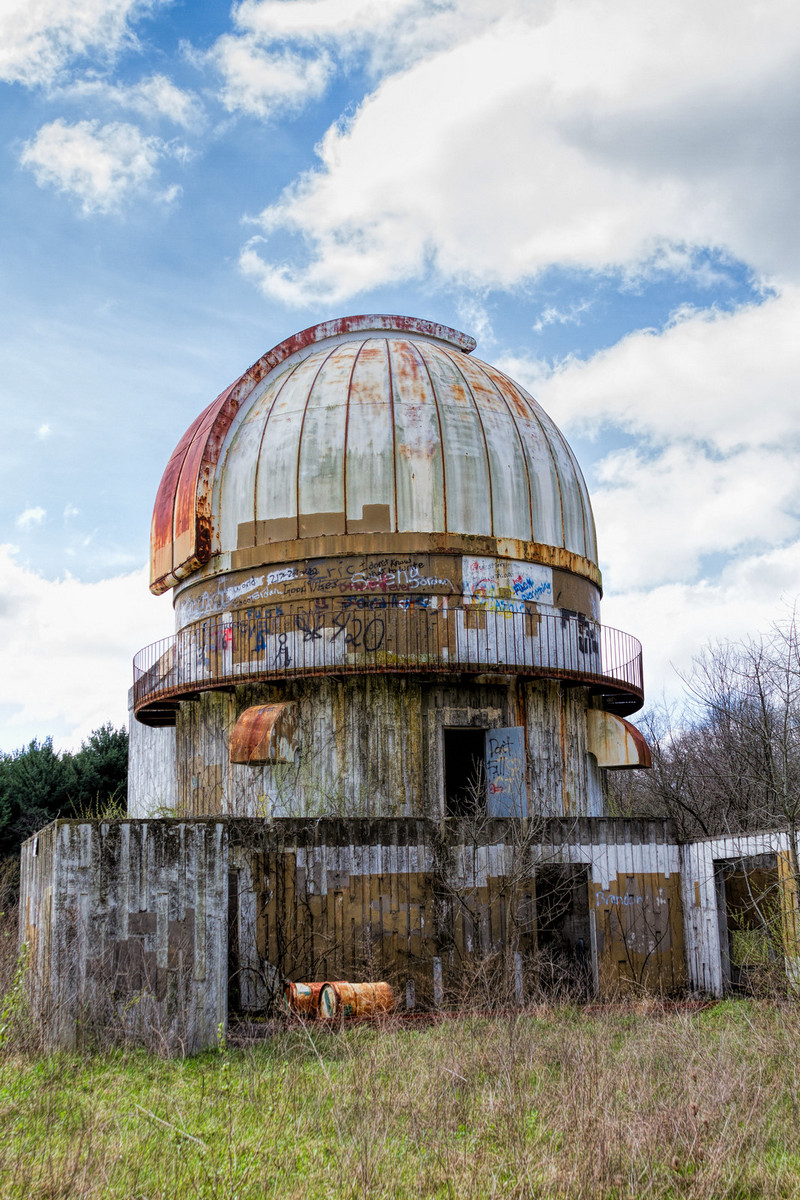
<point x="467" y="482"/>
<point x="369" y="467"/>
<point x="511" y="500"/>
<point x="572" y="503"/>
<point x="321" y="478"/>
<point x="418" y="462"/>
<point x="545" y="486"/>
<point x="233" y="494"/>
<point x="265" y="733"/>
<point x="506" y="785"/>
<point x="614" y="742"/>
<point x="277" y="479"/>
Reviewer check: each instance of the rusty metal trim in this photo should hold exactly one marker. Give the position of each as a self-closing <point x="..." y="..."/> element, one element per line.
<point x="223" y="651"/>
<point x="477" y="544"/>
<point x="604" y="729"/>
<point x="256" y="735"/>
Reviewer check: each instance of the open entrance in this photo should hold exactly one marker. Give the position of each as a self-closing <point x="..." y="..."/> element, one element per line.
<point x="464" y="772"/>
<point x="562" y="929"/>
<point x="750" y="923"/>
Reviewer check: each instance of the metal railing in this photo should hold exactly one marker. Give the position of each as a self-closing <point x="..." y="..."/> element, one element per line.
<point x="354" y="635"/>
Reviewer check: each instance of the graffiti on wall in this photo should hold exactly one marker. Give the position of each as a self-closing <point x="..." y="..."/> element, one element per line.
<point x="505" y="772"/>
<point x="505" y="585"/>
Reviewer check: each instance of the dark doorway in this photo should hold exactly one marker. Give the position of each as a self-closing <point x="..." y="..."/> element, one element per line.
<point x="562" y="929"/>
<point x="750" y="923"/>
<point x="464" y="772"/>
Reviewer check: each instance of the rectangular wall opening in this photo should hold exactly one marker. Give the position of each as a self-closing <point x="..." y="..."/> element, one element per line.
<point x="562" y="929"/>
<point x="750" y="923"/>
<point x="464" y="772"/>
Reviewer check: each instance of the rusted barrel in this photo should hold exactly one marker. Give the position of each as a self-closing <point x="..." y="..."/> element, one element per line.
<point x="343" y="999"/>
<point x="302" y="999"/>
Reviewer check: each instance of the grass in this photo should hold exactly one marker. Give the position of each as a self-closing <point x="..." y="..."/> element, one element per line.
<point x="554" y="1102"/>
<point x="548" y="1103"/>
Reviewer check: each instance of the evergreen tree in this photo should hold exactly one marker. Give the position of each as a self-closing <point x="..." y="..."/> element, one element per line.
<point x="37" y="784"/>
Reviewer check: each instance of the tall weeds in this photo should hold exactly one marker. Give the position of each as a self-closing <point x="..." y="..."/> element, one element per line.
<point x="552" y="1102"/>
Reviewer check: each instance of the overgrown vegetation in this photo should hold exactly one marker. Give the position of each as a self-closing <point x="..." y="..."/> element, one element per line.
<point x="37" y="784"/>
<point x="728" y="760"/>
<point x="553" y="1103"/>
<point x="556" y="1101"/>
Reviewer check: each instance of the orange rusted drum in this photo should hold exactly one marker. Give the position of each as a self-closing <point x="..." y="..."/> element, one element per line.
<point x="343" y="999"/>
<point x="302" y="999"/>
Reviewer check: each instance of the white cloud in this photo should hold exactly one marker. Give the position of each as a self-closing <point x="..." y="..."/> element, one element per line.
<point x="674" y="621"/>
<point x="100" y="165"/>
<point x="659" y="515"/>
<point x="153" y="97"/>
<point x="283" y="55"/>
<point x="39" y="38"/>
<point x="712" y="405"/>
<point x="84" y="636"/>
<point x="317" y="19"/>
<point x="600" y="134"/>
<point x="556" y="316"/>
<point x="264" y="83"/>
<point x="728" y="379"/>
<point x="31" y="516"/>
<point x="44" y="430"/>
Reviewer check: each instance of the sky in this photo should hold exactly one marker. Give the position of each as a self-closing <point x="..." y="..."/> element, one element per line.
<point x="603" y="192"/>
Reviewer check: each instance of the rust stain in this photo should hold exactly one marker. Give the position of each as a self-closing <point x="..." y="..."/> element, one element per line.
<point x="265" y="733"/>
<point x="182" y="532"/>
<point x="344" y="999"/>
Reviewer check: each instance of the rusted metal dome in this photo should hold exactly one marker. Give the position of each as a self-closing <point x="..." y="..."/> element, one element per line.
<point x="371" y="424"/>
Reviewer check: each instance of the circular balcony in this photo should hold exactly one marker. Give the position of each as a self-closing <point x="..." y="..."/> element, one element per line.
<point x="386" y="634"/>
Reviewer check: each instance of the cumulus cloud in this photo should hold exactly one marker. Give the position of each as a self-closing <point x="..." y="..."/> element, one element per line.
<point x="604" y="135"/>
<point x="67" y="649"/>
<point x="31" y="516"/>
<point x="44" y="430"/>
<point x="100" y="165"/>
<point x="674" y="621"/>
<point x="728" y="379"/>
<point x="281" y="56"/>
<point x="39" y="38"/>
<point x="698" y="510"/>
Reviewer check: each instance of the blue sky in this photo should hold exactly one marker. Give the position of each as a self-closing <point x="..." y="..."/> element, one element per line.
<point x="603" y="193"/>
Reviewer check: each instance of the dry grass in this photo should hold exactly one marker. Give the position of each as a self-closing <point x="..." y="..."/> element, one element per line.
<point x="553" y="1102"/>
<point x="548" y="1103"/>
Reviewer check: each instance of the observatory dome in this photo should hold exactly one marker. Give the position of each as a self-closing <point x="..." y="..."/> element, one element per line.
<point x="371" y="425"/>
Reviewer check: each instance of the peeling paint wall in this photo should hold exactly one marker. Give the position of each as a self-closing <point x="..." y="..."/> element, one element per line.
<point x="700" y="903"/>
<point x="126" y="927"/>
<point x="142" y="929"/>
<point x="152" y="768"/>
<point x="373" y="747"/>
